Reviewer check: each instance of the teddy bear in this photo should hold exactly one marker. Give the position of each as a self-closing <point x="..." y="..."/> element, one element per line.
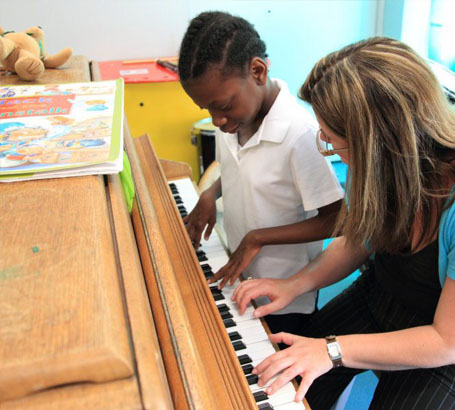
<point x="24" y="54"/>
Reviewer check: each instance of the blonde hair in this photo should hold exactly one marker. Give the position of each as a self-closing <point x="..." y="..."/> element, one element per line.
<point x="385" y="101"/>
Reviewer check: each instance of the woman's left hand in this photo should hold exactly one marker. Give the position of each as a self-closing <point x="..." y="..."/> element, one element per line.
<point x="305" y="357"/>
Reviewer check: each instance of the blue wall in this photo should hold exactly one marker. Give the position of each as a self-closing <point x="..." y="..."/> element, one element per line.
<point x="298" y="33"/>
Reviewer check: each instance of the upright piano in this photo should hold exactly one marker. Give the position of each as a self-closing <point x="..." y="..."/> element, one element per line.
<point x="101" y="309"/>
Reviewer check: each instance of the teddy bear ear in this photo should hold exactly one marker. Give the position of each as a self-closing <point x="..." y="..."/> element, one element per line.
<point x="35" y="32"/>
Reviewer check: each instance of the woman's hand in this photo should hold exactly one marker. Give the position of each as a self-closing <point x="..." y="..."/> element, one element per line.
<point x="240" y="259"/>
<point x="305" y="357"/>
<point x="203" y="215"/>
<point x="281" y="292"/>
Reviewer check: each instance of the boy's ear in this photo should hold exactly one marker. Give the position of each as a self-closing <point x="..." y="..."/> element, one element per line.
<point x="259" y="70"/>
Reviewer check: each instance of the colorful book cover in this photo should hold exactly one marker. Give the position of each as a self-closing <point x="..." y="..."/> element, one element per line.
<point x="58" y="130"/>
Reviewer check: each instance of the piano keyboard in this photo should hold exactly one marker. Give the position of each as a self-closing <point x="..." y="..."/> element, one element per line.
<point x="247" y="334"/>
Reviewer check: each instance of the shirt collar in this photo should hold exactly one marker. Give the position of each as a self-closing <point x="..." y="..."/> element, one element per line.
<point x="275" y="124"/>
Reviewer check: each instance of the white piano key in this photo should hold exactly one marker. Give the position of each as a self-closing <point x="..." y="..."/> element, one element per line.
<point x="247" y="324"/>
<point x="250" y="337"/>
<point x="248" y="315"/>
<point x="290" y="406"/>
<point x="258" y="355"/>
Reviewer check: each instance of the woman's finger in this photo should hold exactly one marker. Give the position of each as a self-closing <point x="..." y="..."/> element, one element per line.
<point x="251" y="291"/>
<point x="283" y="337"/>
<point x="286" y="376"/>
<point x="305" y="384"/>
<point x="267" y="309"/>
<point x="275" y="367"/>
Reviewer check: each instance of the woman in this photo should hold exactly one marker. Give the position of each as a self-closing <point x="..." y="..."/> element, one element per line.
<point x="385" y="114"/>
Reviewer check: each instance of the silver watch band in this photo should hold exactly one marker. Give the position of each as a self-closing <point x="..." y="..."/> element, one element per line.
<point x="334" y="351"/>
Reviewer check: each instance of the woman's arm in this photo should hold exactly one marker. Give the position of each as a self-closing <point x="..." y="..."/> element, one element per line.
<point x="335" y="263"/>
<point x="419" y="347"/>
<point x="423" y="346"/>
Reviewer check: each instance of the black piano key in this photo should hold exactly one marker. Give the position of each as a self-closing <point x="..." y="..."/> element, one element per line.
<point x="181" y="207"/>
<point x="206" y="267"/>
<point x="207" y="271"/>
<point x="260" y="396"/>
<point x="244" y="359"/>
<point x="177" y="197"/>
<point x="223" y="307"/>
<point x="229" y="322"/>
<point x="252" y="379"/>
<point x="238" y="345"/>
<point x="178" y="201"/>
<point x="234" y="336"/>
<point x="265" y="406"/>
<point x="202" y="257"/>
<point x="172" y="185"/>
<point x="183" y="214"/>
<point x="219" y="296"/>
<point x="226" y="315"/>
<point x="217" y="292"/>
<point x="247" y="368"/>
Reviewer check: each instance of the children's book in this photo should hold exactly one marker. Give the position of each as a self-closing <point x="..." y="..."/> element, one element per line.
<point x="60" y="130"/>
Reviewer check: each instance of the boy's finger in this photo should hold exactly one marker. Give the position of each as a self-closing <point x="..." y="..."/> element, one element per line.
<point x="234" y="277"/>
<point x="208" y="231"/>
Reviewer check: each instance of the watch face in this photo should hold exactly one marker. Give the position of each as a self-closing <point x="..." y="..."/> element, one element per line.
<point x="333" y="350"/>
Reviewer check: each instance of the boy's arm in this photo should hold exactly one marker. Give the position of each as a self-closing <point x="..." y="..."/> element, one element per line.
<point x="203" y="215"/>
<point x="311" y="229"/>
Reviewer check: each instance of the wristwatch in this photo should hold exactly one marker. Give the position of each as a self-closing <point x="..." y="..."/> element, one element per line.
<point x="334" y="351"/>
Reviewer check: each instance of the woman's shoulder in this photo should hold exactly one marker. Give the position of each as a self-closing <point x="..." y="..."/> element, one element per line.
<point x="447" y="243"/>
<point x="447" y="222"/>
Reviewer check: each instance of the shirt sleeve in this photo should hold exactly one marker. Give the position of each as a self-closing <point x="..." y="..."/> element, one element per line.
<point x="313" y="175"/>
<point x="447" y="244"/>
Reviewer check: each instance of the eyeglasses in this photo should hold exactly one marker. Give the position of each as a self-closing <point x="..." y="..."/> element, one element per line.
<point x="325" y="146"/>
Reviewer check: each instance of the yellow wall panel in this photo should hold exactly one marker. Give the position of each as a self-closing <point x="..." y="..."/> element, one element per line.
<point x="164" y="112"/>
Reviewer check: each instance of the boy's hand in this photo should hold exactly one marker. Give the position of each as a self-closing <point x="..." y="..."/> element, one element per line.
<point x="240" y="259"/>
<point x="203" y="215"/>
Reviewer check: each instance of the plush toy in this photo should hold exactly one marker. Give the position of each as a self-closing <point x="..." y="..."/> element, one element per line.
<point x="24" y="53"/>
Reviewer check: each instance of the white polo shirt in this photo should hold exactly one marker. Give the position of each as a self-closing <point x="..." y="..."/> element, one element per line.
<point x="277" y="178"/>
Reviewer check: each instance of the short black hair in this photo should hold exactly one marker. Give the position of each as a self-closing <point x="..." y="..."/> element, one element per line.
<point x="216" y="37"/>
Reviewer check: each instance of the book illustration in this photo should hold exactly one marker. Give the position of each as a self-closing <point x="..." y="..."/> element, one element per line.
<point x="61" y="141"/>
<point x="49" y="127"/>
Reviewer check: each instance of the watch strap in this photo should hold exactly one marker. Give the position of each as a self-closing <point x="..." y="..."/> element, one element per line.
<point x="332" y="342"/>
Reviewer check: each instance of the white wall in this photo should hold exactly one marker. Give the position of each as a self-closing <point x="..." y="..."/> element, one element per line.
<point x="102" y="29"/>
<point x="297" y="32"/>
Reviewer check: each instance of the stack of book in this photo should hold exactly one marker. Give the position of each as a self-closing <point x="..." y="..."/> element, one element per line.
<point x="61" y="130"/>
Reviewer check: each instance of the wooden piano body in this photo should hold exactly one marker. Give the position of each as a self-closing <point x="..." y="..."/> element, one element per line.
<point x="103" y="310"/>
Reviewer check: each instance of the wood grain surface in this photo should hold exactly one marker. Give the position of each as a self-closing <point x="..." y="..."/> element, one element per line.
<point x="62" y="315"/>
